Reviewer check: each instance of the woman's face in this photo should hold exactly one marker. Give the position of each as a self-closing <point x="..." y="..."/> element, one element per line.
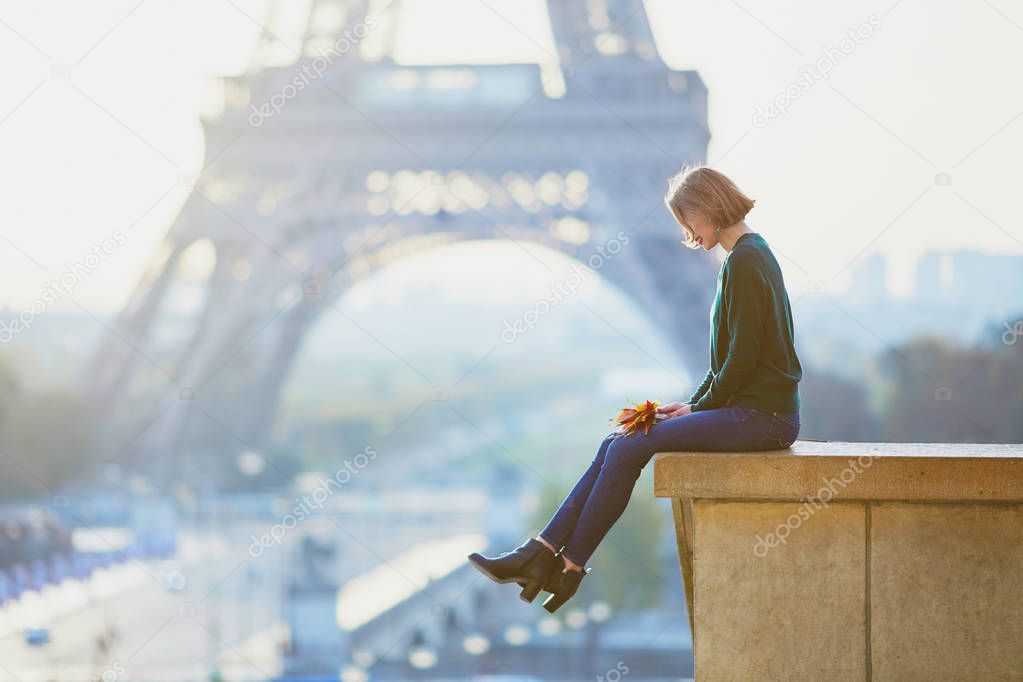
<point x="703" y="230"/>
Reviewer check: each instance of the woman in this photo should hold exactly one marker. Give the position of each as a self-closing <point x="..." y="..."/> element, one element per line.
<point x="748" y="401"/>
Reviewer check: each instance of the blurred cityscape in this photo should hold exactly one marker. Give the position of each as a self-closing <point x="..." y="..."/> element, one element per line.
<point x="236" y="478"/>
<point x="223" y="500"/>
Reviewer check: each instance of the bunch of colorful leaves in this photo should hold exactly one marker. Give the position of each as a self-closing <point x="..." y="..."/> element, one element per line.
<point x="640" y="417"/>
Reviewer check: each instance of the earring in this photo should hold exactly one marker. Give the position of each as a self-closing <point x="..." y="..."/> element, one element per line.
<point x="717" y="230"/>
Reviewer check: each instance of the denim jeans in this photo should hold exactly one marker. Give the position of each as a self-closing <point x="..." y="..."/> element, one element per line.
<point x="601" y="495"/>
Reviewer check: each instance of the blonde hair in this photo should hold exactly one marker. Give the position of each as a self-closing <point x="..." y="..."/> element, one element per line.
<point x="707" y="192"/>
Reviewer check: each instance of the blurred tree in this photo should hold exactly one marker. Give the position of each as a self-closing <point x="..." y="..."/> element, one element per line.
<point x="47" y="439"/>
<point x="10" y="388"/>
<point x="941" y="392"/>
<point x="833" y="408"/>
<point x="626" y="567"/>
<point x="993" y="390"/>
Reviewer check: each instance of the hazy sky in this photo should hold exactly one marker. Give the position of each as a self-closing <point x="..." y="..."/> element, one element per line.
<point x="99" y="119"/>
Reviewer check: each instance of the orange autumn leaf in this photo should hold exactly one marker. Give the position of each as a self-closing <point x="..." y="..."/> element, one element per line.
<point x="641" y="416"/>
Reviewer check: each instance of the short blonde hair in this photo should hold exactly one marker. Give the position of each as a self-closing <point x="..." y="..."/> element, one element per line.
<point x="710" y="193"/>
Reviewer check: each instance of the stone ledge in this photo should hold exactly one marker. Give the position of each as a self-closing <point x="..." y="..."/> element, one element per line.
<point x="969" y="472"/>
<point x="851" y="561"/>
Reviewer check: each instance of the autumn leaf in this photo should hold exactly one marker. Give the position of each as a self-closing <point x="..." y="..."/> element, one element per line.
<point x="639" y="417"/>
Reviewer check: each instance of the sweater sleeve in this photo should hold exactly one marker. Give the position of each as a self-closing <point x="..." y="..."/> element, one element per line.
<point x="744" y="292"/>
<point x="698" y="393"/>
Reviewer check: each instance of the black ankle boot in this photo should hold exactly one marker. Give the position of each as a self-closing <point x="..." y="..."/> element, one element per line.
<point x="528" y="565"/>
<point x="562" y="583"/>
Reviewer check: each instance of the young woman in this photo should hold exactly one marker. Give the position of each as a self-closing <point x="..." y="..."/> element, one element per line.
<point x="748" y="401"/>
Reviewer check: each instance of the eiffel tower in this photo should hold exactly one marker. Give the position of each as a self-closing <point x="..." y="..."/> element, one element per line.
<point x="330" y="160"/>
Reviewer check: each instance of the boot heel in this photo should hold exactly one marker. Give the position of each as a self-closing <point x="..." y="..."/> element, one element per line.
<point x="562" y="586"/>
<point x="530" y="590"/>
<point x="554" y="602"/>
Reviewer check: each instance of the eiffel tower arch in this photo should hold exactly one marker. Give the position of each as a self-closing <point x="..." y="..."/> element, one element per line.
<point x="369" y="161"/>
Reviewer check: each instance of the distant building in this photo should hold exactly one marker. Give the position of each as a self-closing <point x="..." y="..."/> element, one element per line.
<point x="970" y="278"/>
<point x="869" y="280"/>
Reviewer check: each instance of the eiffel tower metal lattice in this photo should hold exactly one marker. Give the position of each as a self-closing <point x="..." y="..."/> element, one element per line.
<point x="319" y="174"/>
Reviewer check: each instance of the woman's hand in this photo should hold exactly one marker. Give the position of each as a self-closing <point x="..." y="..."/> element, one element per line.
<point x="674" y="410"/>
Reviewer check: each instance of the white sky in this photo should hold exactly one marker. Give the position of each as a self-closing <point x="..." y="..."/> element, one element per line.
<point x="99" y="118"/>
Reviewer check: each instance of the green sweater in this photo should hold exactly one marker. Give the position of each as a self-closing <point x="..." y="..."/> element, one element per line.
<point x="752" y="359"/>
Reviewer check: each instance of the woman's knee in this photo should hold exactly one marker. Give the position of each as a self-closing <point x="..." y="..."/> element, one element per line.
<point x="598" y="459"/>
<point x="624" y="453"/>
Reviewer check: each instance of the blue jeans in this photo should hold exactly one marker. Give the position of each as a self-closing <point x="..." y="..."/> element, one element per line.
<point x="601" y="495"/>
